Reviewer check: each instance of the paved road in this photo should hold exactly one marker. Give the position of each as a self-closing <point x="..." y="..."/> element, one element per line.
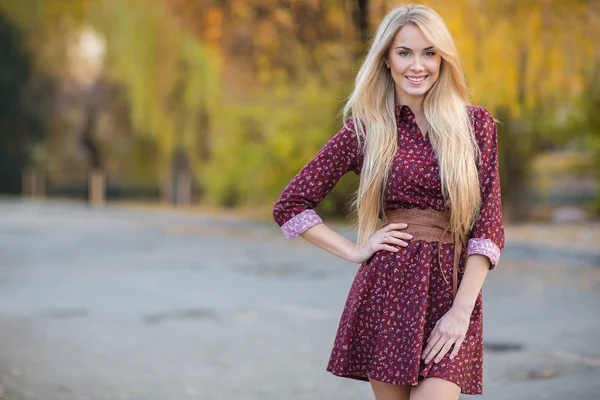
<point x="121" y="304"/>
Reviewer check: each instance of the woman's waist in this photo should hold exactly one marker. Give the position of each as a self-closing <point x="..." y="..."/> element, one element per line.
<point x="424" y="224"/>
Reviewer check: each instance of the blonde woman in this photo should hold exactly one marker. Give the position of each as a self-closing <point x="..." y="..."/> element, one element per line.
<point x="428" y="167"/>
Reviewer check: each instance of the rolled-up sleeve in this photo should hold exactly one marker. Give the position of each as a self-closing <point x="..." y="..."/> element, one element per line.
<point x="294" y="209"/>
<point x="487" y="235"/>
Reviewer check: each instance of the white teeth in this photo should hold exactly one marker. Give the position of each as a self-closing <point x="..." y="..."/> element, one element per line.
<point x="416" y="80"/>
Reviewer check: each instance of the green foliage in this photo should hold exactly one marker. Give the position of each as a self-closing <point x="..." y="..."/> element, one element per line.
<point x="258" y="147"/>
<point x="46" y="26"/>
<point x="590" y="125"/>
<point x="168" y="75"/>
<point x="249" y="93"/>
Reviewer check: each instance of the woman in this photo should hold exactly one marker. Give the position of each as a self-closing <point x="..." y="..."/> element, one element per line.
<point x="428" y="167"/>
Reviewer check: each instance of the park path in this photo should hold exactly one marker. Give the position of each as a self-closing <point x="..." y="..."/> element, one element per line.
<point x="121" y="303"/>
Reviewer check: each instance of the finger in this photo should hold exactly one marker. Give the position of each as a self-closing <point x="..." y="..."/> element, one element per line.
<point x="401" y="235"/>
<point x="397" y="225"/>
<point x="456" y="349"/>
<point x="433" y="335"/>
<point x="384" y="237"/>
<point x="394" y="240"/>
<point x="434" y="332"/>
<point x="387" y="247"/>
<point x="443" y="351"/>
<point x="435" y="350"/>
<point x="433" y="339"/>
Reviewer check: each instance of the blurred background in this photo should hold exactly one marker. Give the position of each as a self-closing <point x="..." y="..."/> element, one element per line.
<point x="221" y="102"/>
<point x="180" y="122"/>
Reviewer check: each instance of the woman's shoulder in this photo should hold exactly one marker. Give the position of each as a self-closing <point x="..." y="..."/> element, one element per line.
<point x="479" y="113"/>
<point x="345" y="140"/>
<point x="350" y="131"/>
<point x="484" y="126"/>
<point x="351" y="122"/>
<point x="481" y="120"/>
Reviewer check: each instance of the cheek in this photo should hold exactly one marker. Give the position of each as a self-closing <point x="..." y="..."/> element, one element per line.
<point x="399" y="67"/>
<point x="434" y="67"/>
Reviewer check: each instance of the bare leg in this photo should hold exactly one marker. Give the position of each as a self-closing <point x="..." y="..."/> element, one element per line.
<point x="388" y="391"/>
<point x="435" y="388"/>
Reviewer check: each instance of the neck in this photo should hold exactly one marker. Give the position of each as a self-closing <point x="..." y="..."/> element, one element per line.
<point x="415" y="103"/>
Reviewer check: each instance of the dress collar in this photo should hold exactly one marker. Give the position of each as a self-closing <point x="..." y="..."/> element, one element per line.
<point x="404" y="113"/>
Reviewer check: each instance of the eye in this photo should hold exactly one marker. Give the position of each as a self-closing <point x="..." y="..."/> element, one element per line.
<point x="403" y="53"/>
<point x="430" y="53"/>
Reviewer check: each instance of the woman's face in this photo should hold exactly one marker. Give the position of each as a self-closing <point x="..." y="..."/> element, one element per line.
<point x="413" y="63"/>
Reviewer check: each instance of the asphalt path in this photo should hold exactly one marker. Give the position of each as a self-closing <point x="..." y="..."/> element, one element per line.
<point x="120" y="303"/>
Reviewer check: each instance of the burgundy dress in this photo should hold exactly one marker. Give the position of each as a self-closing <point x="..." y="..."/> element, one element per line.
<point x="396" y="298"/>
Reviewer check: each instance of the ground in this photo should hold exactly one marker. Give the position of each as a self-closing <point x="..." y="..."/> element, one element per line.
<point x="123" y="303"/>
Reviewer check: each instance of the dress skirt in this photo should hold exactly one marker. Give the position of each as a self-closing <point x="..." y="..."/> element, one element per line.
<point x="393" y="305"/>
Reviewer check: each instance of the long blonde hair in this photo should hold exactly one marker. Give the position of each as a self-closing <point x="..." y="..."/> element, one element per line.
<point x="372" y="105"/>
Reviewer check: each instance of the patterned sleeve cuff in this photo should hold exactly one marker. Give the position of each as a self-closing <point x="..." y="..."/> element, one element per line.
<point x="484" y="247"/>
<point x="300" y="223"/>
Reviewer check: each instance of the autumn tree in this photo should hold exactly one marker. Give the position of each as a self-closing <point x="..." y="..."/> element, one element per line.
<point x="20" y="126"/>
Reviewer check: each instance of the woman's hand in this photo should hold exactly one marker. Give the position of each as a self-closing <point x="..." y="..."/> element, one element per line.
<point x="449" y="330"/>
<point x="382" y="240"/>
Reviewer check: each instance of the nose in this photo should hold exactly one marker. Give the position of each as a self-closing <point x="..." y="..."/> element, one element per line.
<point x="416" y="65"/>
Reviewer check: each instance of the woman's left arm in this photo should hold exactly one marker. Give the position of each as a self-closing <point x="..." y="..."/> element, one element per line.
<point x="487" y="237"/>
<point x="484" y="246"/>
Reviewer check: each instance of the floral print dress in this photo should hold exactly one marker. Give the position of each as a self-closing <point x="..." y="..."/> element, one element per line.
<point x="396" y="299"/>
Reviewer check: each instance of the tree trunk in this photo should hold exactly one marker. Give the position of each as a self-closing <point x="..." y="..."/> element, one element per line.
<point x="183" y="189"/>
<point x="514" y="164"/>
<point x="96" y="178"/>
<point x="360" y="18"/>
<point x="166" y="187"/>
<point x="182" y="181"/>
<point x="34" y="183"/>
<point x="96" y="187"/>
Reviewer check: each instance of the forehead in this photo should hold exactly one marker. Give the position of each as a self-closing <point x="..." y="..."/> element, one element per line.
<point x="412" y="37"/>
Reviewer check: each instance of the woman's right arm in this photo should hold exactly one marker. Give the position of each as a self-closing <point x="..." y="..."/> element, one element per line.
<point x="322" y="236"/>
<point x="294" y="209"/>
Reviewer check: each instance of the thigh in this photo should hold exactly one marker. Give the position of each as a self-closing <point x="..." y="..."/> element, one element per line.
<point x="389" y="391"/>
<point x="435" y="388"/>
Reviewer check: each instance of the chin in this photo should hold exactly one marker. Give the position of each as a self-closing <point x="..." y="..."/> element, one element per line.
<point x="416" y="91"/>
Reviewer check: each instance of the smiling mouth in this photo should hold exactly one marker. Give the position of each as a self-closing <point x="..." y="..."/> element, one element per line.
<point x="416" y="80"/>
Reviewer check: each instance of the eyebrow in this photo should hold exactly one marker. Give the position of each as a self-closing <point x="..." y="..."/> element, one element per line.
<point x="408" y="48"/>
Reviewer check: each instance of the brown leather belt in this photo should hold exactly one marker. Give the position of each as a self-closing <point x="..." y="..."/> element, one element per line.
<point x="430" y="225"/>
